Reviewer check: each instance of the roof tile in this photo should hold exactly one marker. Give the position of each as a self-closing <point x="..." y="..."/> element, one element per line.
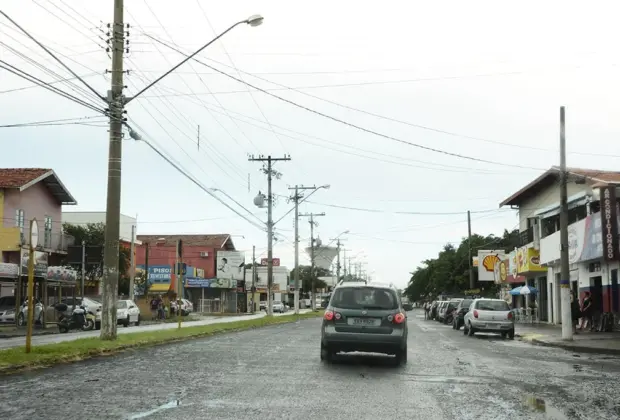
<point x="18" y="177"/>
<point x="209" y="241"/>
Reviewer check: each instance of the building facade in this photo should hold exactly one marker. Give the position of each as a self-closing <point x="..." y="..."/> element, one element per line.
<point x="156" y="257"/>
<point x="28" y="194"/>
<point x="593" y="238"/>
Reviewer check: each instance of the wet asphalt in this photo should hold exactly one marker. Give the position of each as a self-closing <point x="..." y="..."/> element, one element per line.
<point x="275" y="373"/>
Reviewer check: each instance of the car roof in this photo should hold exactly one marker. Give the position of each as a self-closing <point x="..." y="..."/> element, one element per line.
<point x="348" y="284"/>
<point x="493" y="299"/>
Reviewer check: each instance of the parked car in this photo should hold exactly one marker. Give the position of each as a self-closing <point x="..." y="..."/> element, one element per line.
<point x="449" y="311"/>
<point x="7" y="309"/>
<point x="127" y="312"/>
<point x="278" y="306"/>
<point x="489" y="316"/>
<point x="262" y="305"/>
<point x="459" y="313"/>
<point x="187" y="307"/>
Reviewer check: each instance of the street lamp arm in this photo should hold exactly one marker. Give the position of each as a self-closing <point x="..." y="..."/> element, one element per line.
<point x="248" y="21"/>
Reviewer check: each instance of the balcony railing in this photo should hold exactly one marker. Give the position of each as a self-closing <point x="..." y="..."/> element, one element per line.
<point x="526" y="236"/>
<point x="51" y="241"/>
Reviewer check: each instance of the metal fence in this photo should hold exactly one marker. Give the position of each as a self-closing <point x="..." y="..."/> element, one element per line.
<point x="226" y="305"/>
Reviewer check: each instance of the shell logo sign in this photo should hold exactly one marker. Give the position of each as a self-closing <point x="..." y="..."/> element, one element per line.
<point x="488" y="261"/>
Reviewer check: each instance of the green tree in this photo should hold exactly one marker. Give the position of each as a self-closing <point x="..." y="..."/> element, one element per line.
<point x="449" y="271"/>
<point x="305" y="277"/>
<point x="93" y="234"/>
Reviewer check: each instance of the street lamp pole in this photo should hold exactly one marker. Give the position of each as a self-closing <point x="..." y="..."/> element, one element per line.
<point x="116" y="103"/>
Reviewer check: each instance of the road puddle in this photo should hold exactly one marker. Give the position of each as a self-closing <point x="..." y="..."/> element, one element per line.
<point x="167" y="406"/>
<point x="540" y="405"/>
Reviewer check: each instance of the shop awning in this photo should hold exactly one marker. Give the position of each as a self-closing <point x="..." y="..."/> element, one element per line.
<point x="159" y="287"/>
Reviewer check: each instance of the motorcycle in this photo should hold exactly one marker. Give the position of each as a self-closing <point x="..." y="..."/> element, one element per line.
<point x="79" y="319"/>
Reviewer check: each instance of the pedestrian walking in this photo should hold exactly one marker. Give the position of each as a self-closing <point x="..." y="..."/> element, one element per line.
<point x="586" y="312"/>
<point x="427" y="310"/>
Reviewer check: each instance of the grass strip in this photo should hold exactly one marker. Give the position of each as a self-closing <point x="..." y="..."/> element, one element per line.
<point x="16" y="359"/>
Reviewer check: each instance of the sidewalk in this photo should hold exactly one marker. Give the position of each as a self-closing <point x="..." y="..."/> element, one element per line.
<point x="584" y="342"/>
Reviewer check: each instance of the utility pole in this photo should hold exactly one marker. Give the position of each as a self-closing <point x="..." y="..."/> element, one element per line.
<point x="472" y="281"/>
<point x="297" y="197"/>
<point x="338" y="263"/>
<point x="270" y="172"/>
<point x="179" y="280"/>
<point x="253" y="279"/>
<point x="83" y="269"/>
<point x="146" y="269"/>
<point x="132" y="262"/>
<point x="567" y="322"/>
<point x="116" y="103"/>
<point x="312" y="255"/>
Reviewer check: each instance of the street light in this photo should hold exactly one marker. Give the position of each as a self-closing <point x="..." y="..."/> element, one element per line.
<point x="254" y="20"/>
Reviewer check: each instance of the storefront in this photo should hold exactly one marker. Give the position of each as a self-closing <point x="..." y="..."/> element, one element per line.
<point x="212" y="295"/>
<point x="590" y="269"/>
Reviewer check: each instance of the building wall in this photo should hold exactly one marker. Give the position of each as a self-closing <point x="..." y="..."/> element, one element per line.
<point x="545" y="198"/>
<point x="84" y="217"/>
<point x="37" y="202"/>
<point x="166" y="255"/>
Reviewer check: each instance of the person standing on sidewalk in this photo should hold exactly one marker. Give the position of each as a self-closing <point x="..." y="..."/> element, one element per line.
<point x="586" y="311"/>
<point x="575" y="311"/>
<point x="427" y="310"/>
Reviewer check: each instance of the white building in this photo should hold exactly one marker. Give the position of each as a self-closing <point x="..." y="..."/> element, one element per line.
<point x="593" y="256"/>
<point x="84" y="217"/>
<point x="279" y="287"/>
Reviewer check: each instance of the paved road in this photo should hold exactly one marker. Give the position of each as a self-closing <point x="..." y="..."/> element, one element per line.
<point x="275" y="373"/>
<point x="59" y="338"/>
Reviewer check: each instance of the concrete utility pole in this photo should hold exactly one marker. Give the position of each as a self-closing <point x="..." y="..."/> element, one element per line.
<point x="116" y="103"/>
<point x="132" y="269"/>
<point x="297" y="197"/>
<point x="472" y="280"/>
<point x="270" y="172"/>
<point x="253" y="278"/>
<point x="567" y="322"/>
<point x="338" y="263"/>
<point x="83" y="269"/>
<point x="312" y="255"/>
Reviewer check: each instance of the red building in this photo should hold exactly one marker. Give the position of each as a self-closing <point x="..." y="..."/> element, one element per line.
<point x="199" y="251"/>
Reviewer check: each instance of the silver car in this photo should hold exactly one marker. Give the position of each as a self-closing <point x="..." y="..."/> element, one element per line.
<point x="489" y="316"/>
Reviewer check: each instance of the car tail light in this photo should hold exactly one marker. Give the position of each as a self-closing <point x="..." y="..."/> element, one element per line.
<point x="475" y="314"/>
<point x="399" y="318"/>
<point x="328" y="316"/>
<point x="509" y="315"/>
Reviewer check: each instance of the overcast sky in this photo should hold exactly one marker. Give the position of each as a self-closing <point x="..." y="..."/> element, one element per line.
<point x="478" y="79"/>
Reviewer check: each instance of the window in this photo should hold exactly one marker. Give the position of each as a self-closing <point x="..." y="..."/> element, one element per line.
<point x="48" y="232"/>
<point x="364" y="298"/>
<point x="492" y="305"/>
<point x="121" y="304"/>
<point x="20" y="219"/>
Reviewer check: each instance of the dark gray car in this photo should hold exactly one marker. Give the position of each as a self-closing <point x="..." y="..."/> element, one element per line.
<point x="364" y="317"/>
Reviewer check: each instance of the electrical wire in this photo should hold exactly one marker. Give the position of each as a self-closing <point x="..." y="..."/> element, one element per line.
<point x="349" y="124"/>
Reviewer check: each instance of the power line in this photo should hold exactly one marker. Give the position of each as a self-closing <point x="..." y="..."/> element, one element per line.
<point x="338" y="120"/>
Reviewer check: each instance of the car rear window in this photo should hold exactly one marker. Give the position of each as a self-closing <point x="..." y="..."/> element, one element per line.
<point x="466" y="303"/>
<point x="364" y="298"/>
<point x="492" y="305"/>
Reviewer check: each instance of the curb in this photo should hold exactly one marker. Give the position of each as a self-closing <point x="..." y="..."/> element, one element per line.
<point x="8" y="336"/>
<point x="574" y="347"/>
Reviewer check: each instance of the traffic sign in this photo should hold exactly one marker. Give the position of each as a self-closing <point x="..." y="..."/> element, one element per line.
<point x="34" y="233"/>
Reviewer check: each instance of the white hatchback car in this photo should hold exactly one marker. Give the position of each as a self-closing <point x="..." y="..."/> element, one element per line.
<point x="489" y="316"/>
<point x="127" y="312"/>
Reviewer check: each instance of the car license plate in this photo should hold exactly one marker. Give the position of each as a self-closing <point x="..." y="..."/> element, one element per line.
<point x="368" y="322"/>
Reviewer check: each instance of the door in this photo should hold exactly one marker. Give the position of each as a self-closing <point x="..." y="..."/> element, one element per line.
<point x="614" y="291"/>
<point x="597" y="293"/>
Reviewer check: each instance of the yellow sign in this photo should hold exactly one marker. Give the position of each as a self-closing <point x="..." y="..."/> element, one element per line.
<point x="528" y="260"/>
<point x="488" y="262"/>
<point x="474" y="261"/>
<point x="503" y="272"/>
